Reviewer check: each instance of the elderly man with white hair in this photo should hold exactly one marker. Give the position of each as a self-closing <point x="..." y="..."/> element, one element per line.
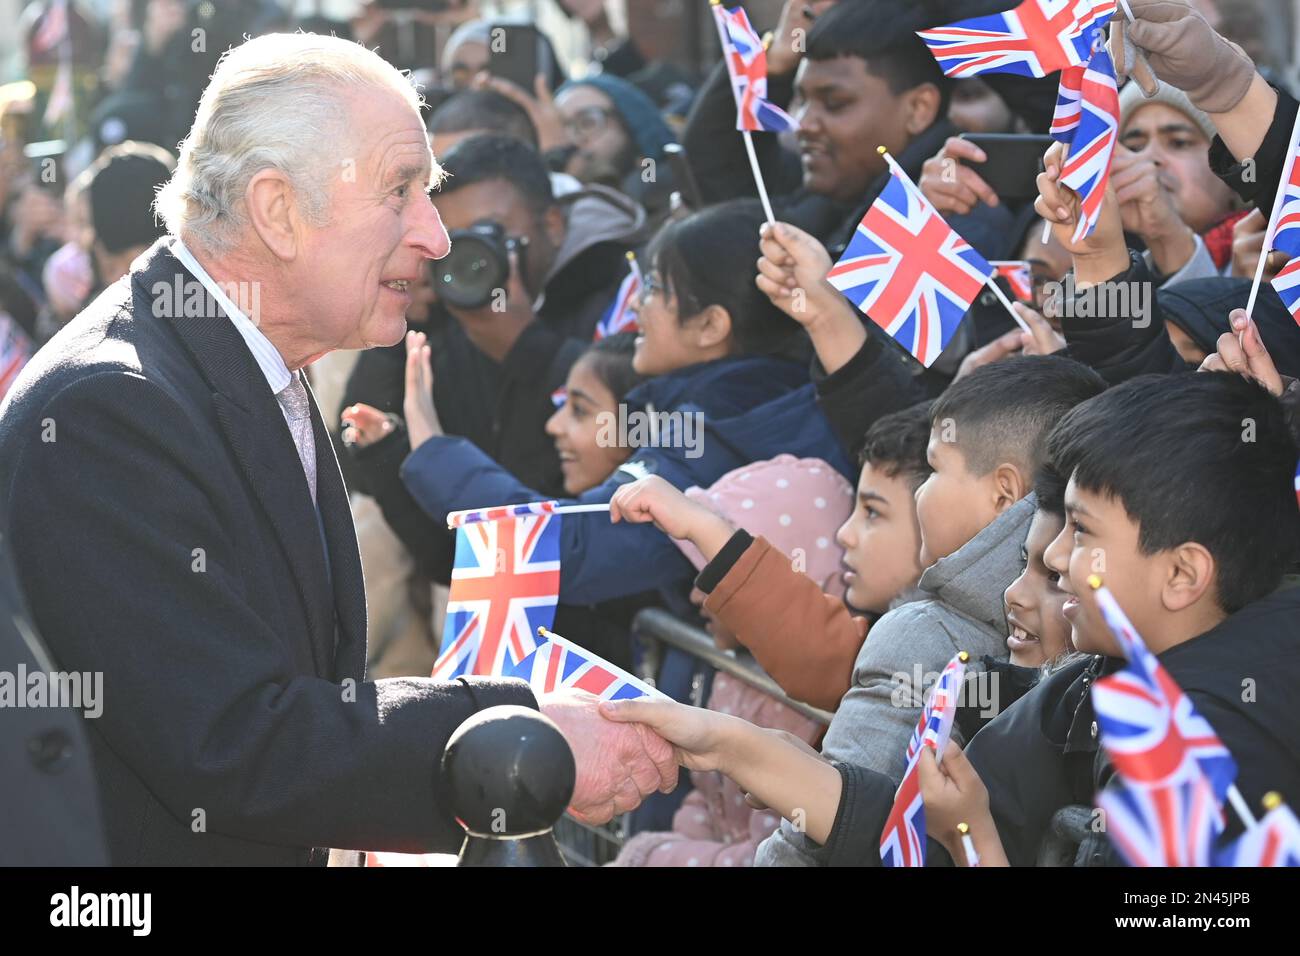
<point x="176" y="510"/>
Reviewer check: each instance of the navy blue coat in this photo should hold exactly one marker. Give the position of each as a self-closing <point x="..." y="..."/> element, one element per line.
<point x="752" y="409"/>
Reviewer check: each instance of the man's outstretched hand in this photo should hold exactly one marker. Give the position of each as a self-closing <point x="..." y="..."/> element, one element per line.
<point x="619" y="765"/>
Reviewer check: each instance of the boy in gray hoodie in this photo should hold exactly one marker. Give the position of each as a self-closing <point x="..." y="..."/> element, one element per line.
<point x="988" y="433"/>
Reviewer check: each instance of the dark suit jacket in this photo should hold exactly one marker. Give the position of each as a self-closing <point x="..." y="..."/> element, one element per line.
<point x="164" y="534"/>
<point x="51" y="809"/>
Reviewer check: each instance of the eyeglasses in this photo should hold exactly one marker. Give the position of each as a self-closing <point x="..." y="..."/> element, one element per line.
<point x="651" y="285"/>
<point x="588" y="122"/>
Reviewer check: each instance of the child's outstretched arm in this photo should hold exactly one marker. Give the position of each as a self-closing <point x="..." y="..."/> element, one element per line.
<point x="789" y="779"/>
<point x="654" y="499"/>
<point x="792" y="273"/>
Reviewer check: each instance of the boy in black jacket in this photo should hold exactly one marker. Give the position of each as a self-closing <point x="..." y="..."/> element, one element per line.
<point x="1181" y="497"/>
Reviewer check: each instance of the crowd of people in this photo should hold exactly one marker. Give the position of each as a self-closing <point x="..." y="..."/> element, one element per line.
<point x="828" y="509"/>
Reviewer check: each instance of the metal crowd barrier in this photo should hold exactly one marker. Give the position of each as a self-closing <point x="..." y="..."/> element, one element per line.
<point x="587" y="845"/>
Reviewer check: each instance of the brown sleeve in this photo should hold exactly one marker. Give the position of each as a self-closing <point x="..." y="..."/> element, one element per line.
<point x="805" y="639"/>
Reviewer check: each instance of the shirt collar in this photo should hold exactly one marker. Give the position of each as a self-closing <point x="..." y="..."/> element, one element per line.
<point x="266" y="355"/>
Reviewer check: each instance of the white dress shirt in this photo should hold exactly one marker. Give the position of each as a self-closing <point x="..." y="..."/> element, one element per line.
<point x="266" y="355"/>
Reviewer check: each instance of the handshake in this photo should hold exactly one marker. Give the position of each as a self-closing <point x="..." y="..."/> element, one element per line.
<point x="619" y="764"/>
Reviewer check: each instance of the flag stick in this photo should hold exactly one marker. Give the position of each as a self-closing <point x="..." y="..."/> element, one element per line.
<point x="635" y="266"/>
<point x="1272" y="220"/>
<point x="758" y="176"/>
<point x="581" y="509"/>
<point x="968" y="845"/>
<point x="1239" y="804"/>
<point x="1002" y="297"/>
<point x="1127" y="11"/>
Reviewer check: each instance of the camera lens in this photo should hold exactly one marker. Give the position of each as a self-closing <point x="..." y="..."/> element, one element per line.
<point x="467" y="276"/>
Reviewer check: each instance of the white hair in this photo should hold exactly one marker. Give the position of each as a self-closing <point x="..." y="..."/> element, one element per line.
<point x="274" y="102"/>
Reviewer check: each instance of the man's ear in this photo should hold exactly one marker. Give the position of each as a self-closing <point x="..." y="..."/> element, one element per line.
<point x="922" y="105"/>
<point x="712" y="327"/>
<point x="556" y="226"/>
<point x="1191" y="572"/>
<point x="273" y="212"/>
<point x="1009" y="486"/>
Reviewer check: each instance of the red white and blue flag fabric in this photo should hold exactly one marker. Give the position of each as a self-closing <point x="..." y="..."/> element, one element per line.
<point x="909" y="271"/>
<point x="1286" y="239"/>
<point x="1036" y="38"/>
<point x="1148" y="725"/>
<point x="504" y="585"/>
<point x="1019" y="277"/>
<point x="559" y="663"/>
<point x="621" y="316"/>
<point x="746" y="61"/>
<point x="456" y="519"/>
<point x="1091" y="141"/>
<point x="15" y="350"/>
<point x="1273" y="841"/>
<point x="1069" y="94"/>
<point x="902" y="842"/>
<point x="1171" y="825"/>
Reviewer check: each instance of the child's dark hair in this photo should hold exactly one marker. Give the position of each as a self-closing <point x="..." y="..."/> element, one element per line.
<point x="611" y="361"/>
<point x="1199" y="457"/>
<point x="1003" y="412"/>
<point x="496" y="156"/>
<point x="709" y="258"/>
<point x="895" y="444"/>
<point x="1049" y="489"/>
<point x="881" y="33"/>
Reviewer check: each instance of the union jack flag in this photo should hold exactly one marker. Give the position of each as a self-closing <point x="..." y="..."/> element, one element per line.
<point x="1034" y="39"/>
<point x="1170" y="825"/>
<point x="1068" y="96"/>
<point x="746" y="61"/>
<point x="1286" y="238"/>
<point x="53" y="29"/>
<point x="902" y="842"/>
<point x="1019" y="276"/>
<point x="504" y="585"/>
<point x="1092" y="140"/>
<point x="560" y="396"/>
<point x="456" y="519"/>
<point x="558" y="662"/>
<point x="621" y="316"/>
<point x="1148" y="725"/>
<point x="15" y="350"/>
<point x="935" y="723"/>
<point x="1273" y="841"/>
<point x="909" y="271"/>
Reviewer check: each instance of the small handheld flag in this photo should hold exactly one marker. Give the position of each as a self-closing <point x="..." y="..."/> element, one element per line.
<point x="909" y="271"/>
<point x="746" y="60"/>
<point x="1019" y="277"/>
<point x="621" y="316"/>
<point x="1036" y="38"/>
<point x="1090" y="141"/>
<point x="1283" y="235"/>
<point x="1273" y="841"/>
<point x="1147" y="723"/>
<point x="1171" y="825"/>
<point x="505" y="584"/>
<point x="902" y="842"/>
<point x="558" y="663"/>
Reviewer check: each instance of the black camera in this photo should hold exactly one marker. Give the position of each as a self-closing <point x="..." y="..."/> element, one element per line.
<point x="477" y="265"/>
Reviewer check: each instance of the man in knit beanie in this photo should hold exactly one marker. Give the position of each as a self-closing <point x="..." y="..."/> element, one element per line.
<point x="614" y="127"/>
<point x="1169" y="197"/>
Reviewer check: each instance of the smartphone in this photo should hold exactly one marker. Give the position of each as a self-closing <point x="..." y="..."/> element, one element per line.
<point x="683" y="176"/>
<point x="517" y="52"/>
<point x="1014" y="162"/>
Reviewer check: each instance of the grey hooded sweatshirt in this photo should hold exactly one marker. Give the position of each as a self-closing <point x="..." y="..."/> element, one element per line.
<point x="960" y="609"/>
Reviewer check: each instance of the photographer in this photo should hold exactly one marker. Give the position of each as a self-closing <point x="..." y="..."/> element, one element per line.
<point x="519" y="298"/>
